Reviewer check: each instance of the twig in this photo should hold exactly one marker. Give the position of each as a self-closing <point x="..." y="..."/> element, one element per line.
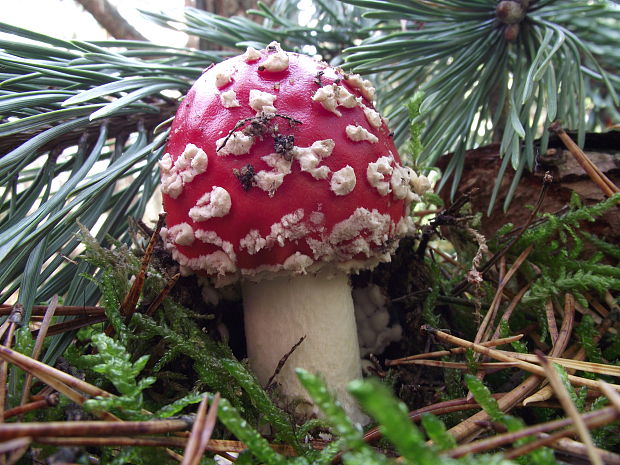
<point x="72" y="325"/>
<point x="440" y="408"/>
<point x="38" y="345"/>
<point x="201" y="432"/>
<point x="217" y="446"/>
<point x="9" y="446"/>
<point x="613" y="396"/>
<point x="551" y="324"/>
<point x="61" y="310"/>
<point x="469" y="429"/>
<point x="162" y="295"/>
<point x="599" y="178"/>
<point x="464" y="284"/>
<point x="501" y="356"/>
<point x="485" y="327"/>
<point x="486" y="367"/>
<point x="592" y="419"/>
<point x="90" y="428"/>
<point x="570" y="408"/>
<point x="599" y="368"/>
<point x="128" y="307"/>
<point x="574" y="448"/>
<point x="458" y="350"/>
<point x="283" y="361"/>
<point x="47" y="401"/>
<point x="508" y="312"/>
<point x="39" y="369"/>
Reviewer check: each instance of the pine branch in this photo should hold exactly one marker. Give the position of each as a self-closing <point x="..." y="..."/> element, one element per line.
<point x="110" y="19"/>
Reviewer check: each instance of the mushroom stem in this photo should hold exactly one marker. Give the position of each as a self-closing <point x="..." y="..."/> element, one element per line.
<point x="280" y="311"/>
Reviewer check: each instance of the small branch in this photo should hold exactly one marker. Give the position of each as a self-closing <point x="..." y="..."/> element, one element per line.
<point x="464" y="285"/>
<point x="459" y="350"/>
<point x="110" y="19"/>
<point x="47" y="401"/>
<point x="90" y="428"/>
<point x="599" y="178"/>
<point x="569" y="407"/>
<point x="484" y="329"/>
<point x="201" y="432"/>
<point x="61" y="310"/>
<point x="38" y="345"/>
<point x="283" y="361"/>
<point x="501" y="356"/>
<point x="592" y="419"/>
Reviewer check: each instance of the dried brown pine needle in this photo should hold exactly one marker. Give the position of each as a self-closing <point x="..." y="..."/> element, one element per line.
<point x="201" y="432"/>
<point x="89" y="428"/>
<point x="570" y="408"/>
<point x="38" y="345"/>
<point x="458" y="350"/>
<point x="593" y="420"/>
<point x="501" y="356"/>
<point x="61" y="310"/>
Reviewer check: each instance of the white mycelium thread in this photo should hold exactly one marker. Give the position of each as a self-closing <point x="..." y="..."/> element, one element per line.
<point x="262" y="101"/>
<point x="237" y="144"/>
<point x="377" y="172"/>
<point x="358" y="133"/>
<point x="174" y="175"/>
<point x="214" y="204"/>
<point x="229" y="99"/>
<point x="343" y="181"/>
<point x="276" y="61"/>
<point x="250" y="55"/>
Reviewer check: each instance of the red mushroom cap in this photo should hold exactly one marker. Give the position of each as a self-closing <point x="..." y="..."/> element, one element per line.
<point x="277" y="162"/>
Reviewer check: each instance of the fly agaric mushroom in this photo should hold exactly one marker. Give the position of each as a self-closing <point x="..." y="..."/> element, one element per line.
<point x="279" y="172"/>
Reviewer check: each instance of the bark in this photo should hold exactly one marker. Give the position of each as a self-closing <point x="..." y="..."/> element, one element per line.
<point x="481" y="170"/>
<point x="110" y="19"/>
<point x="225" y="8"/>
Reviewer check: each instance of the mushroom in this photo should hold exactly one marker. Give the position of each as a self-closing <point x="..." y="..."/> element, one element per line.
<point x="280" y="173"/>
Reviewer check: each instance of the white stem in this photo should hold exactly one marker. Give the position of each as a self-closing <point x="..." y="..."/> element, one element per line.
<point x="279" y="311"/>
